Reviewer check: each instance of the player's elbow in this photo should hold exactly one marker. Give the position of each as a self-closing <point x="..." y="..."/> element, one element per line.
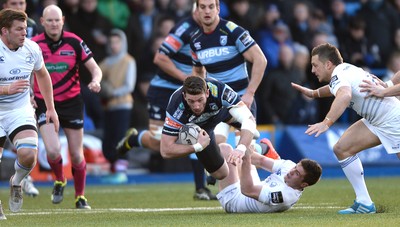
<point x="249" y="192"/>
<point x="165" y="153"/>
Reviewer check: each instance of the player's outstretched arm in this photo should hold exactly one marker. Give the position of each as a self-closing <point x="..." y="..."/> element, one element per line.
<point x="310" y="93"/>
<point x="247" y="185"/>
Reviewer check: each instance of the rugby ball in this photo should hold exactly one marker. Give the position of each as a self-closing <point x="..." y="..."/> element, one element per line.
<point x="188" y="134"/>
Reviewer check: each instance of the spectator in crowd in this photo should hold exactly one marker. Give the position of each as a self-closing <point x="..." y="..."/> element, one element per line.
<point x="271" y="43"/>
<point x="140" y="28"/>
<point x="381" y="22"/>
<point x="267" y="21"/>
<point x="338" y="18"/>
<point x="180" y="9"/>
<point x="357" y="48"/>
<point x="164" y="25"/>
<point x="303" y="109"/>
<point x="397" y="39"/>
<point x="163" y="6"/>
<point x="118" y="83"/>
<point x="93" y="28"/>
<point x="299" y="25"/>
<point x="244" y="14"/>
<point x="277" y="88"/>
<point x="117" y="11"/>
<point x="392" y="66"/>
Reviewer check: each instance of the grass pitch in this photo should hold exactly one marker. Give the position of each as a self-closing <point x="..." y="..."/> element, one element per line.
<point x="172" y="205"/>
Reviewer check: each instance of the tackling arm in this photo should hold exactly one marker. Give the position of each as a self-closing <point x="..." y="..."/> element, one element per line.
<point x="247" y="186"/>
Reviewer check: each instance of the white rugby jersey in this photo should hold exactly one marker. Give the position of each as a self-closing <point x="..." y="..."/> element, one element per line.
<point x="17" y="65"/>
<point x="376" y="111"/>
<point x="276" y="195"/>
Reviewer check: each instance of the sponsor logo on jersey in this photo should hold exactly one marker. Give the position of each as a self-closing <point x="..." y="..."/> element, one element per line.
<point x="231" y="26"/>
<point x="29" y="59"/>
<point x="85" y="48"/>
<point x="229" y="95"/>
<point x="223" y="40"/>
<point x="173" y="42"/>
<point x="276" y="197"/>
<point x="171" y="123"/>
<point x="67" y="53"/>
<point x="213" y="89"/>
<point x="216" y="52"/>
<point x="246" y="39"/>
<point x="1" y="59"/>
<point x="181" y="29"/>
<point x="213" y="106"/>
<point x="334" y="81"/>
<point x="59" y="67"/>
<point x="197" y="45"/>
<point x="178" y="113"/>
<point x="15" y="71"/>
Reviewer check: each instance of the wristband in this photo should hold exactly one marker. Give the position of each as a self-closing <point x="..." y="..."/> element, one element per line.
<point x="197" y="147"/>
<point x="389" y="83"/>
<point x="328" y="122"/>
<point x="241" y="147"/>
<point x="319" y="96"/>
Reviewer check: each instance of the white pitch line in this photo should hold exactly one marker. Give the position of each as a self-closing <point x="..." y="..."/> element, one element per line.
<point x="135" y="210"/>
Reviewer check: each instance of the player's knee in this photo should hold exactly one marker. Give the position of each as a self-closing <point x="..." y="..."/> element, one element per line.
<point x="222" y="172"/>
<point x="225" y="149"/>
<point x="340" y="151"/>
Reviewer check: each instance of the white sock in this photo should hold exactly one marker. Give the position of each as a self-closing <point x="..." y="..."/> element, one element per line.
<point x="20" y="172"/>
<point x="353" y="169"/>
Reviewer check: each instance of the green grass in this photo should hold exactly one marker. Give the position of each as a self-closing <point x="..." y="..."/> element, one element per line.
<point x="172" y="205"/>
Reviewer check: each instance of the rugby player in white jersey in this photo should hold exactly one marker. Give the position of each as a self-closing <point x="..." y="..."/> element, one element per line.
<point x="19" y="57"/>
<point x="242" y="191"/>
<point x="379" y="125"/>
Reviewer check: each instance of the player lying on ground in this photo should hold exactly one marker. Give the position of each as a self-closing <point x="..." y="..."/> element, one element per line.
<point x="242" y="191"/>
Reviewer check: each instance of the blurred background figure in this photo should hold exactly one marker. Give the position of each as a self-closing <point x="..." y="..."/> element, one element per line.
<point x="277" y="88"/>
<point x="356" y="48"/>
<point x="94" y="28"/>
<point x="119" y="78"/>
<point x="381" y="20"/>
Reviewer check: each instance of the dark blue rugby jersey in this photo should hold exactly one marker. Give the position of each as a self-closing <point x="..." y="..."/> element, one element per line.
<point x="221" y="98"/>
<point x="220" y="52"/>
<point x="176" y="47"/>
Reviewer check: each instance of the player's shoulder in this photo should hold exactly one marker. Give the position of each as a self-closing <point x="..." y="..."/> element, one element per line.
<point x="230" y="27"/>
<point x="30" y="44"/>
<point x="70" y="35"/>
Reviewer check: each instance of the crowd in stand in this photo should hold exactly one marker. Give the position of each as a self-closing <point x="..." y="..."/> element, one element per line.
<point x="367" y="32"/>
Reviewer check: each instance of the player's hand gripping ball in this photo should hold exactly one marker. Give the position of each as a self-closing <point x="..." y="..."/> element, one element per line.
<point x="188" y="134"/>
